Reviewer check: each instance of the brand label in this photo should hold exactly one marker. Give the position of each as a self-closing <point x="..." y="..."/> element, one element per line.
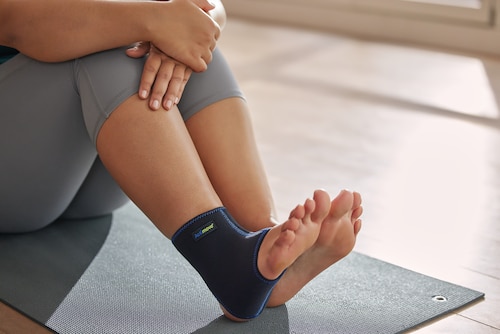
<point x="204" y="231"/>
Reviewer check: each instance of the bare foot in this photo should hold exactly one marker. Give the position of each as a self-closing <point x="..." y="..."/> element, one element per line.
<point x="336" y="239"/>
<point x="284" y="243"/>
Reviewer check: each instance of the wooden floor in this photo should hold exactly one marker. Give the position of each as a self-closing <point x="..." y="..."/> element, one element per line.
<point x="415" y="130"/>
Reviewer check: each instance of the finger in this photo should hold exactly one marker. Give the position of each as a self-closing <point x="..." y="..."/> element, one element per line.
<point x="217" y="33"/>
<point x="204" y="5"/>
<point x="203" y="60"/>
<point x="207" y="58"/>
<point x="161" y="84"/>
<point x="207" y="54"/>
<point x="151" y="67"/>
<point x="174" y="86"/>
<point x="198" y="64"/>
<point x="187" y="75"/>
<point x="138" y="50"/>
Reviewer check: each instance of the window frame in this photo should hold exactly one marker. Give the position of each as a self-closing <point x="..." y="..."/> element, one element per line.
<point x="422" y="9"/>
<point x="473" y="29"/>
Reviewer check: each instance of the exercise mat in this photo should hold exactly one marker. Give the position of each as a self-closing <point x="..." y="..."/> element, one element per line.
<point x="118" y="274"/>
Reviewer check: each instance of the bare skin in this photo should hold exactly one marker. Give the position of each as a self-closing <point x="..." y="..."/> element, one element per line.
<point x="286" y="242"/>
<point x="336" y="240"/>
<point x="149" y="173"/>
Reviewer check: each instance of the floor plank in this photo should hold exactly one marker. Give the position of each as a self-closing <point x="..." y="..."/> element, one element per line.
<point x="12" y="322"/>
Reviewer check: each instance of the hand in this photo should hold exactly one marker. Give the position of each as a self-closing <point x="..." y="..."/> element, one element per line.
<point x="163" y="78"/>
<point x="186" y="32"/>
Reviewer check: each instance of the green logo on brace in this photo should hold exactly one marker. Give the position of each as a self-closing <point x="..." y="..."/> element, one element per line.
<point x="204" y="230"/>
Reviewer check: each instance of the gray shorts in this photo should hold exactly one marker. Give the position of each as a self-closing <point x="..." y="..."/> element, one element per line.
<point x="50" y="115"/>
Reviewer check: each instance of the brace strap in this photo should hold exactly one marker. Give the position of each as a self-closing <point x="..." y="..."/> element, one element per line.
<point x="225" y="255"/>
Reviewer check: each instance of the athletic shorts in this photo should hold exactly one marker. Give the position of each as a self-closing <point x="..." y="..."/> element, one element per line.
<point x="50" y="115"/>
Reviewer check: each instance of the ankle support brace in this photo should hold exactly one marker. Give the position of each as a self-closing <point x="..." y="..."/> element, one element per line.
<point x="225" y="256"/>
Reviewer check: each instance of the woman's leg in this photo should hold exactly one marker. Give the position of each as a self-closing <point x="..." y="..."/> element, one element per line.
<point x="150" y="155"/>
<point x="153" y="159"/>
<point x="46" y="150"/>
<point x="218" y="121"/>
<point x="222" y="133"/>
<point x="98" y="195"/>
<point x="50" y="115"/>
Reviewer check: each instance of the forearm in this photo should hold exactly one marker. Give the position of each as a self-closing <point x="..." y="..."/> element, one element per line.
<point x="58" y="30"/>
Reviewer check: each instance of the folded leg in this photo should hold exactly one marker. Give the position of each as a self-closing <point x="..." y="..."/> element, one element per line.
<point x="98" y="195"/>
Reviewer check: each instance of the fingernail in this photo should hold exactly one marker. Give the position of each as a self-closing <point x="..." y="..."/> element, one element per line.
<point x="169" y="104"/>
<point x="156" y="104"/>
<point x="176" y="100"/>
<point x="143" y="93"/>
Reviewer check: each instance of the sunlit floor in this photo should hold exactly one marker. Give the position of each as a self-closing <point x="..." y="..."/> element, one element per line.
<point x="416" y="131"/>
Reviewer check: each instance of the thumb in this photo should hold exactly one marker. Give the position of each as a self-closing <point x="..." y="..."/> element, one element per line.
<point x="205" y="5"/>
<point x="138" y="50"/>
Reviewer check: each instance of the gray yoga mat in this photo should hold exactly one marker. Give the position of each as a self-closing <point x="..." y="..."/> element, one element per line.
<point x="118" y="274"/>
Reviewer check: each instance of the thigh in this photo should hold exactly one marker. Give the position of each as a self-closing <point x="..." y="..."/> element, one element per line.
<point x="46" y="151"/>
<point x="49" y="117"/>
<point x="98" y="195"/>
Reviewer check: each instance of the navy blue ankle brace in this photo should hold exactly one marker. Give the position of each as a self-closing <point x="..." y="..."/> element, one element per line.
<point x="225" y="255"/>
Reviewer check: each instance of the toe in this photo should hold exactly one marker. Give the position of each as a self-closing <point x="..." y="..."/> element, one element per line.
<point x="298" y="213"/>
<point x="292" y="224"/>
<point x="341" y="204"/>
<point x="357" y="213"/>
<point x="356" y="201"/>
<point x="286" y="238"/>
<point x="309" y="206"/>
<point x="357" y="226"/>
<point x="322" y="203"/>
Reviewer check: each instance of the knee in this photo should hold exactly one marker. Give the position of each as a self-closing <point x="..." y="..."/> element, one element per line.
<point x="104" y="80"/>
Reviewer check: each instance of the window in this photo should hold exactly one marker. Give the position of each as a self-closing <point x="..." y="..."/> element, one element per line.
<point x="465" y="11"/>
<point x="469" y="25"/>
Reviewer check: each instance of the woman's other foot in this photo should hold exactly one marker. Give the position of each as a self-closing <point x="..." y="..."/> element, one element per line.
<point x="284" y="243"/>
<point x="336" y="239"/>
